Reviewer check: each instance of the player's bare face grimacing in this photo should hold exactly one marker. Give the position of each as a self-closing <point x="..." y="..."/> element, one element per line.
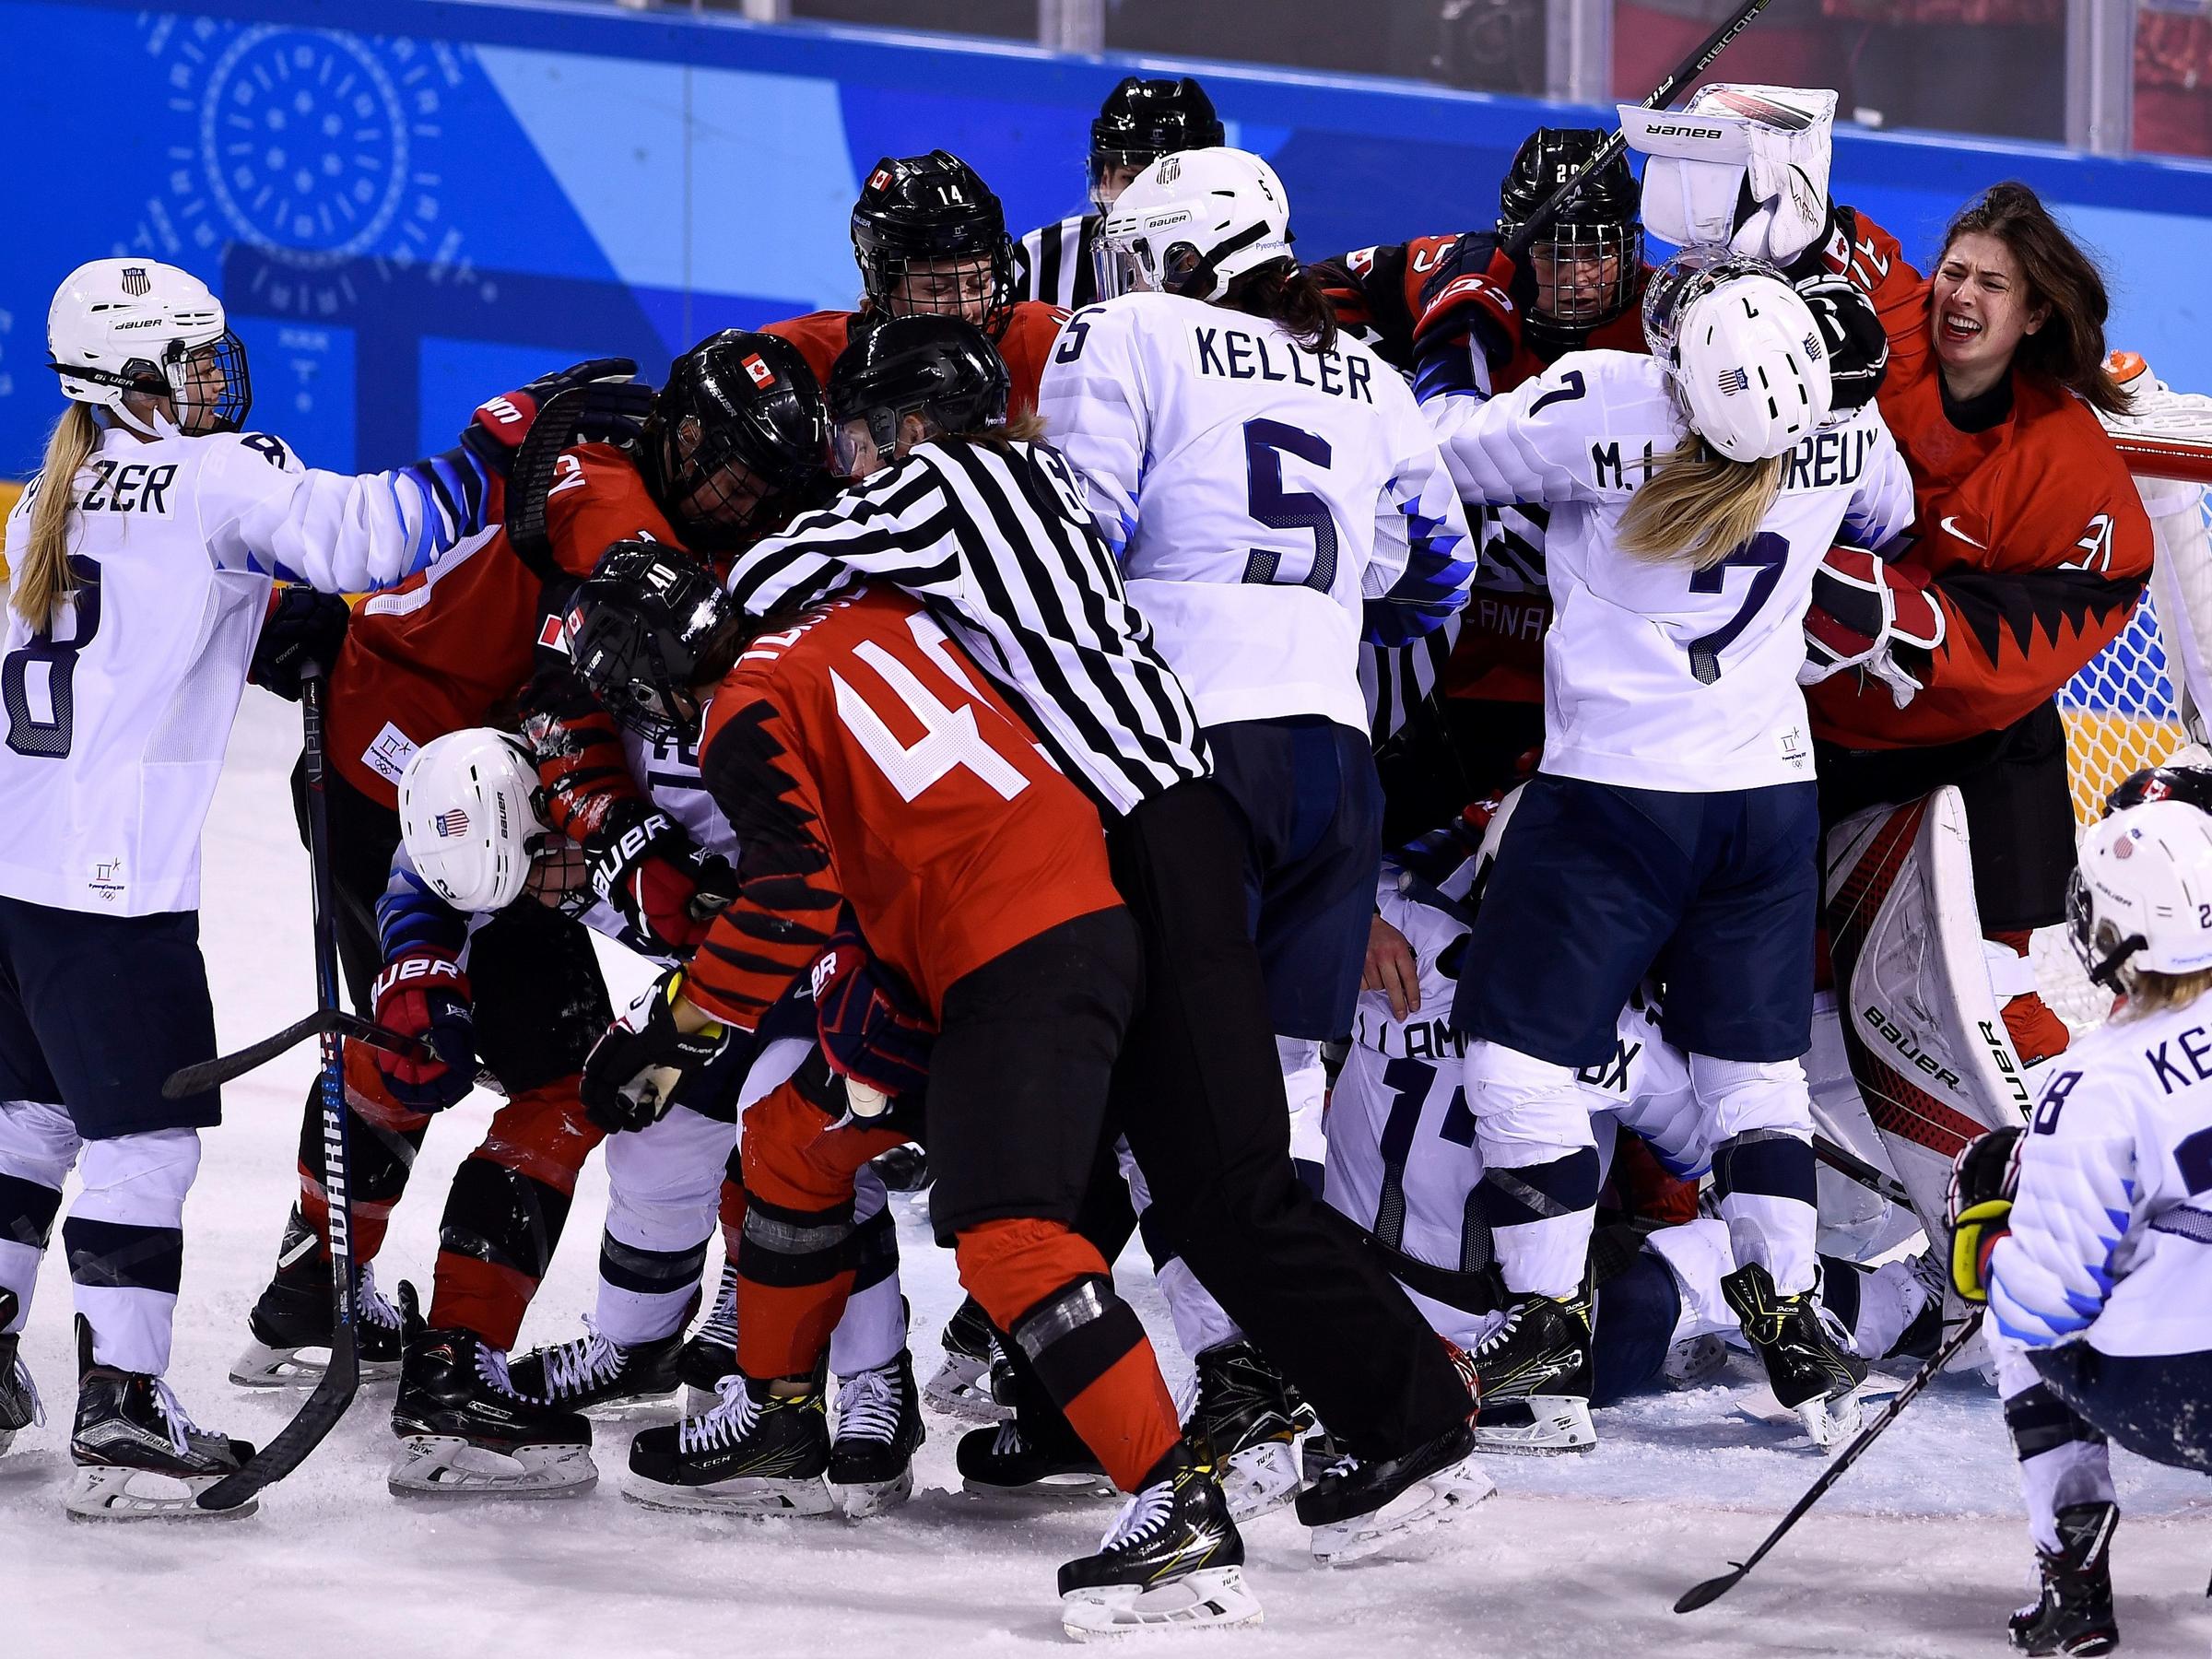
<point x="1980" y="309"/>
<point x="950" y="288"/>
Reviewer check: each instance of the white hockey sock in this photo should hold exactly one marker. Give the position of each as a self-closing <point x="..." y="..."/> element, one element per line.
<point x="38" y="1148"/>
<point x="664" y="1188"/>
<point x="1539" y="1166"/>
<point x="871" y="1332"/>
<point x="125" y="1238"/>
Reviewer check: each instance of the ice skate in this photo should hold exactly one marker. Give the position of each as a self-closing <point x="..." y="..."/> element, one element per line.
<point x="875" y="1436"/>
<point x="590" y="1371"/>
<point x="139" y="1456"/>
<point x="19" y="1405"/>
<point x="1692" y="1361"/>
<point x="290" y="1328"/>
<point x="1172" y="1559"/>
<point x="711" y="1353"/>
<point x="2074" y="1615"/>
<point x="756" y="1453"/>
<point x="1356" y="1508"/>
<point x="1242" y="1424"/>
<point x="1809" y="1366"/>
<point x="1015" y="1457"/>
<point x="466" y="1431"/>
<point x="1532" y="1378"/>
<point x="962" y="1386"/>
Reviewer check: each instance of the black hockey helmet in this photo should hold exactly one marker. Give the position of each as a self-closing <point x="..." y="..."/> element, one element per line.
<point x="943" y="369"/>
<point x="932" y="211"/>
<point x="739" y="430"/>
<point x="1143" y="120"/>
<point x="646" y="627"/>
<point x="1601" y="220"/>
<point x="2190" y="783"/>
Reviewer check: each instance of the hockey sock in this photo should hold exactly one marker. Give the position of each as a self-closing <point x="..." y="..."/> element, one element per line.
<point x="1766" y="1181"/>
<point x="733" y="1202"/>
<point x="124" y="1237"/>
<point x="381" y="1139"/>
<point x="1540" y="1171"/>
<point x="2063" y="1460"/>
<point x="38" y="1148"/>
<point x="1048" y="1288"/>
<point x="872" y="1331"/>
<point x="505" y="1213"/>
<point x="661" y="1186"/>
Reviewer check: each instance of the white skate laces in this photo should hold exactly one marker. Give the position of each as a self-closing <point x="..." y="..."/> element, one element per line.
<point x="868" y="1404"/>
<point x="372" y="1305"/>
<point x="581" y="1363"/>
<point x="174" y="1417"/>
<point x="491" y="1368"/>
<point x="730" y="1420"/>
<point x="1144" y="1514"/>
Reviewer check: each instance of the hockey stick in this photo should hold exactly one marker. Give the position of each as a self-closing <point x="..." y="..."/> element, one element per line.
<point x="335" y="1390"/>
<point x="1860" y="1171"/>
<point x="1713" y="1589"/>
<point x="1687" y="70"/>
<point x="208" y="1073"/>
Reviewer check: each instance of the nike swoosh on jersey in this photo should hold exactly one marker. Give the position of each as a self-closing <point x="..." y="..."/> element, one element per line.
<point x="1950" y="524"/>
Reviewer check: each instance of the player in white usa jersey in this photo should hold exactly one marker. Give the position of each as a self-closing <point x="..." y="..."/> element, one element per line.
<point x="141" y="562"/>
<point x="1672" y="826"/>
<point x="1273" y="496"/>
<point x="2090" y="1233"/>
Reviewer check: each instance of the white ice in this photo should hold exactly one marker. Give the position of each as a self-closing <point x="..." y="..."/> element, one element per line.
<point x="1919" y="1551"/>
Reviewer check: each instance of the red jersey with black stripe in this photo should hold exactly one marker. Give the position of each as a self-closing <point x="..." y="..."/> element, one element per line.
<point x="862" y="758"/>
<point x="1023" y="340"/>
<point x="2029" y="531"/>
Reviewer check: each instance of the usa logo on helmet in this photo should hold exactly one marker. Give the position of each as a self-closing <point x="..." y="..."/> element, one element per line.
<point x="135" y="282"/>
<point x="451" y="825"/>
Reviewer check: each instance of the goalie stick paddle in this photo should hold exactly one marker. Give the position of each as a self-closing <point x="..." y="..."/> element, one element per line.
<point x="335" y="1390"/>
<point x="1687" y="71"/>
<point x="1713" y="1589"/>
<point x="191" y="1079"/>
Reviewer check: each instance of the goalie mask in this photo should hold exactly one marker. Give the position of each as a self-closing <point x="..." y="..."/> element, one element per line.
<point x="1192" y="224"/>
<point x="1142" y="121"/>
<point x="1743" y="352"/>
<point x="468" y="814"/>
<point x="941" y="371"/>
<point x="123" y="325"/>
<point x="738" y="433"/>
<point x="645" y="627"/>
<point x="1587" y="265"/>
<point x="2140" y="898"/>
<point x="931" y="237"/>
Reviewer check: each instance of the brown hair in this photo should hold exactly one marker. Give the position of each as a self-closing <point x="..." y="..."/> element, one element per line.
<point x="1025" y="427"/>
<point x="1285" y="292"/>
<point x="41" y="581"/>
<point x="2069" y="346"/>
<point x="1697" y="507"/>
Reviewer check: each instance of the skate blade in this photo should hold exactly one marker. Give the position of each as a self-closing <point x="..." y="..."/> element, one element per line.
<point x="102" y="1492"/>
<point x="1213" y="1599"/>
<point x="962" y="1389"/>
<point x="1422" y="1506"/>
<point x="1540" y="1424"/>
<point x="1690" y="1363"/>
<point x="1831" y="1422"/>
<point x="1075" y="1486"/>
<point x="861" y="1499"/>
<point x="263" y="1367"/>
<point x="739" y="1495"/>
<point x="443" y="1466"/>
<point x="1260" y="1479"/>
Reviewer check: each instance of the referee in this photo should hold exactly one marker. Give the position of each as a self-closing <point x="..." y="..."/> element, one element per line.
<point x="989" y="529"/>
<point x="1140" y="122"/>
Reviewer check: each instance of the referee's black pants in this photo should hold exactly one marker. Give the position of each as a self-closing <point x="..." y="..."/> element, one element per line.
<point x="1198" y="1093"/>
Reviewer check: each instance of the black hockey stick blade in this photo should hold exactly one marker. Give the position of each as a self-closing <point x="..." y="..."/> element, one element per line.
<point x="1687" y="71"/>
<point x="333" y="1394"/>
<point x="191" y="1079"/>
<point x="1860" y="1171"/>
<point x="1711" y="1590"/>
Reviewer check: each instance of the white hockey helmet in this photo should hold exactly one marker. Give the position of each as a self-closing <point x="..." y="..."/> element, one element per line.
<point x="1743" y="349"/>
<point x="1192" y="223"/>
<point x="124" y="325"/>
<point x="2141" y="894"/>
<point x="468" y="816"/>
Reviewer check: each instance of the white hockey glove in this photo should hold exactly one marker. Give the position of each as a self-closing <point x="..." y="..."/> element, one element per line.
<point x="1743" y="165"/>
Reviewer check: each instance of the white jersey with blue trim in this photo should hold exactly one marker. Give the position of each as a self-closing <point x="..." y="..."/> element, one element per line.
<point x="1270" y="506"/>
<point x="118" y="715"/>
<point x="1656" y="676"/>
<point x="2111" y="1229"/>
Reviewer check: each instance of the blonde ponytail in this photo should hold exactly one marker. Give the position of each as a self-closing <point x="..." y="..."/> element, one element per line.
<point x="41" y="581"/>
<point x="1697" y="506"/>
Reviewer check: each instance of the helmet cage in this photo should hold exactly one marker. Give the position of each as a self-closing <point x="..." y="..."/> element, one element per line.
<point x="2102" y="966"/>
<point x="885" y="275"/>
<point x="181" y="375"/>
<point x="647" y="627"/>
<point x="1564" y="248"/>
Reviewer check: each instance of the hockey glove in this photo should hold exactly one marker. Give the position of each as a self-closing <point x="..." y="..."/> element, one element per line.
<point x="423" y="994"/>
<point x="1858" y="346"/>
<point x="615" y="410"/>
<point x="636" y="1068"/>
<point x="302" y="625"/>
<point x="1985" y="1180"/>
<point x="872" y="1033"/>
<point x="1466" y="304"/>
<point x="667" y="890"/>
<point x="1872" y="615"/>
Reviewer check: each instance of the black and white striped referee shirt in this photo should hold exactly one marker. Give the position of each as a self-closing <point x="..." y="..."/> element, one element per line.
<point x="1053" y="262"/>
<point x="997" y="542"/>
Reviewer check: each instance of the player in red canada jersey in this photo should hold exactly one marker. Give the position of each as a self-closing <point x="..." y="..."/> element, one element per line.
<point x="904" y="838"/>
<point x="2031" y="546"/>
<point x="931" y="237"/>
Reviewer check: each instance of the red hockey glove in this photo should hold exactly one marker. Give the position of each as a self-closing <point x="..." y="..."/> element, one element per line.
<point x="871" y="1032"/>
<point x="616" y="407"/>
<point x="423" y="994"/>
<point x="668" y="892"/>
<point x="1469" y="296"/>
<point x="1872" y="615"/>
